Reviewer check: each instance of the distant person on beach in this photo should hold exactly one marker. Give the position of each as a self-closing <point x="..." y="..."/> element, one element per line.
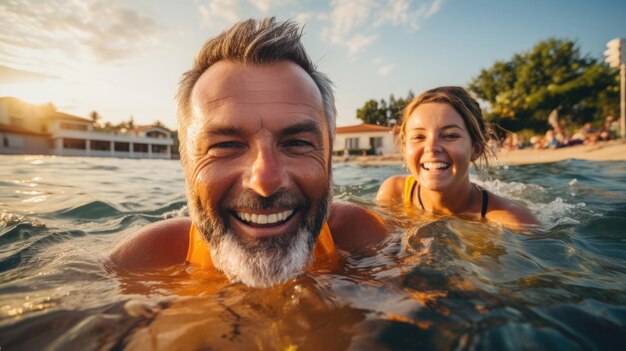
<point x="609" y="129"/>
<point x="256" y="121"/>
<point x="442" y="133"/>
<point x="585" y="135"/>
<point x="511" y="142"/>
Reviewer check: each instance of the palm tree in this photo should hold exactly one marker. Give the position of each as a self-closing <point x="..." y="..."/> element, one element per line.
<point x="95" y="118"/>
<point x="159" y="124"/>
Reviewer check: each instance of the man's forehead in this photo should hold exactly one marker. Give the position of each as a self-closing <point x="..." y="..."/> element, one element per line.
<point x="232" y="91"/>
<point x="280" y="81"/>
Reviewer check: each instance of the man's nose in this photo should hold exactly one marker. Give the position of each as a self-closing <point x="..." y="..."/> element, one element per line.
<point x="267" y="174"/>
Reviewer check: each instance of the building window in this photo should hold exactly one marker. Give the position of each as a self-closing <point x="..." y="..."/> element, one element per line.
<point x="122" y="147"/>
<point x="159" y="149"/>
<point x="140" y="147"/>
<point x="76" y="144"/>
<point x="74" y="126"/>
<point x="156" y="134"/>
<point x="376" y="142"/>
<point x="352" y="143"/>
<point x="100" y="145"/>
<point x="14" y="141"/>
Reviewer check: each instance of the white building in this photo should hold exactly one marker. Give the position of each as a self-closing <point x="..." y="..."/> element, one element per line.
<point x="33" y="129"/>
<point x="368" y="138"/>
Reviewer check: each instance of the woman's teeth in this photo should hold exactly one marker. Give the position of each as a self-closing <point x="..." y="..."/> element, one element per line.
<point x="264" y="218"/>
<point x="435" y="165"/>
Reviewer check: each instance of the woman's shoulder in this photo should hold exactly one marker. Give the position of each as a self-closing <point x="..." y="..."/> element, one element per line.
<point x="507" y="212"/>
<point x="392" y="189"/>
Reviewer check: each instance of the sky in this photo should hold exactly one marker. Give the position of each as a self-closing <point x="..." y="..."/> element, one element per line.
<point x="125" y="58"/>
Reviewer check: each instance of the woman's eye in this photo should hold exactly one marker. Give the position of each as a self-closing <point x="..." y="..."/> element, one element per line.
<point x="451" y="136"/>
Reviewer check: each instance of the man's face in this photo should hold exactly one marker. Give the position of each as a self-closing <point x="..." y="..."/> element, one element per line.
<point x="257" y="168"/>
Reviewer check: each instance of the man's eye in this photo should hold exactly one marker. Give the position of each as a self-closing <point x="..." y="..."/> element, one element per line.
<point x="225" y="148"/>
<point x="226" y="145"/>
<point x="298" y="143"/>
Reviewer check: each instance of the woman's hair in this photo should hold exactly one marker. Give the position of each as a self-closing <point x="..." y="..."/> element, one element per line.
<point x="466" y="106"/>
<point x="255" y="42"/>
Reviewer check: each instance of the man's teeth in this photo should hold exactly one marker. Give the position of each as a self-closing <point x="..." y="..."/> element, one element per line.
<point x="435" y="165"/>
<point x="264" y="218"/>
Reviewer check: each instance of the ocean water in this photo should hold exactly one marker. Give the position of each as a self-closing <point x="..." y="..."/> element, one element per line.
<point x="437" y="283"/>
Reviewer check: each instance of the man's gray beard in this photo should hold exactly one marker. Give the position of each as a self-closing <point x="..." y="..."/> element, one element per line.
<point x="262" y="262"/>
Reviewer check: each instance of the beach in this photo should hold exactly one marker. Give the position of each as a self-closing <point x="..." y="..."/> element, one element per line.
<point x="614" y="150"/>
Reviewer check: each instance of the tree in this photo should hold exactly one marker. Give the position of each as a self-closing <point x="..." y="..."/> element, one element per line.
<point x="521" y="92"/>
<point x="385" y="113"/>
<point x="95" y="118"/>
<point x="370" y="113"/>
<point x="125" y="126"/>
<point x="109" y="127"/>
<point x="131" y="123"/>
<point x="158" y="124"/>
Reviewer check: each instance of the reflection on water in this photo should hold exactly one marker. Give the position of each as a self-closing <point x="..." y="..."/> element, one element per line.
<point x="436" y="283"/>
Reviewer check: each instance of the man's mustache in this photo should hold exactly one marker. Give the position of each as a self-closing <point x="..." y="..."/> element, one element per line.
<point x="249" y="200"/>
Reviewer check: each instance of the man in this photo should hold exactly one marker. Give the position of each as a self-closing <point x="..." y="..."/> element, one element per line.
<point x="256" y="123"/>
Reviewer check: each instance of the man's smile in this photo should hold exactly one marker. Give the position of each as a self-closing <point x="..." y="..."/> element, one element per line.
<point x="265" y="223"/>
<point x="268" y="218"/>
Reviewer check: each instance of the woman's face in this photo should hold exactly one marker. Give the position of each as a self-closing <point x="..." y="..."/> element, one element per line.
<point x="438" y="147"/>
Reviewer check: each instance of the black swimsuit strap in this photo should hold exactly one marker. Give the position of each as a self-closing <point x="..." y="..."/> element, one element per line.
<point x="412" y="193"/>
<point x="483" y="210"/>
<point x="419" y="196"/>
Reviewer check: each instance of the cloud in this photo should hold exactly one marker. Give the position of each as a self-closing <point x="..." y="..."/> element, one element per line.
<point x="385" y="70"/>
<point x="101" y="30"/>
<point x="345" y="17"/>
<point x="399" y="13"/>
<point x="266" y="5"/>
<point x="434" y="7"/>
<point x="13" y="75"/>
<point x="219" y="12"/>
<point x="303" y="18"/>
<point x="352" y="23"/>
<point x="358" y="42"/>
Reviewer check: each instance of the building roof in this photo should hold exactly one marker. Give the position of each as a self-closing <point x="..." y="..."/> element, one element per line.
<point x="150" y="127"/>
<point x="41" y="111"/>
<point x="65" y="116"/>
<point x="363" y="127"/>
<point x="19" y="130"/>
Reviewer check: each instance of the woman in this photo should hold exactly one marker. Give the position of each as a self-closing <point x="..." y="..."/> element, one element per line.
<point x="442" y="133"/>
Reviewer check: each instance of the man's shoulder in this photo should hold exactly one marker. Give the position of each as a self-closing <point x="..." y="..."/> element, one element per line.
<point x="354" y="227"/>
<point x="156" y="245"/>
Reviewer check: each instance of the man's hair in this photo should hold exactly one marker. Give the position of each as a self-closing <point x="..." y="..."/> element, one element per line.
<point x="255" y="42"/>
<point x="466" y="106"/>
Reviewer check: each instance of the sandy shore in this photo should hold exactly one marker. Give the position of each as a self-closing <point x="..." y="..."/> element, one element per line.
<point x="601" y="151"/>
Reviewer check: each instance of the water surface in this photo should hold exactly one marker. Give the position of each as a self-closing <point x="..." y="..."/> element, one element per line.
<point x="436" y="283"/>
